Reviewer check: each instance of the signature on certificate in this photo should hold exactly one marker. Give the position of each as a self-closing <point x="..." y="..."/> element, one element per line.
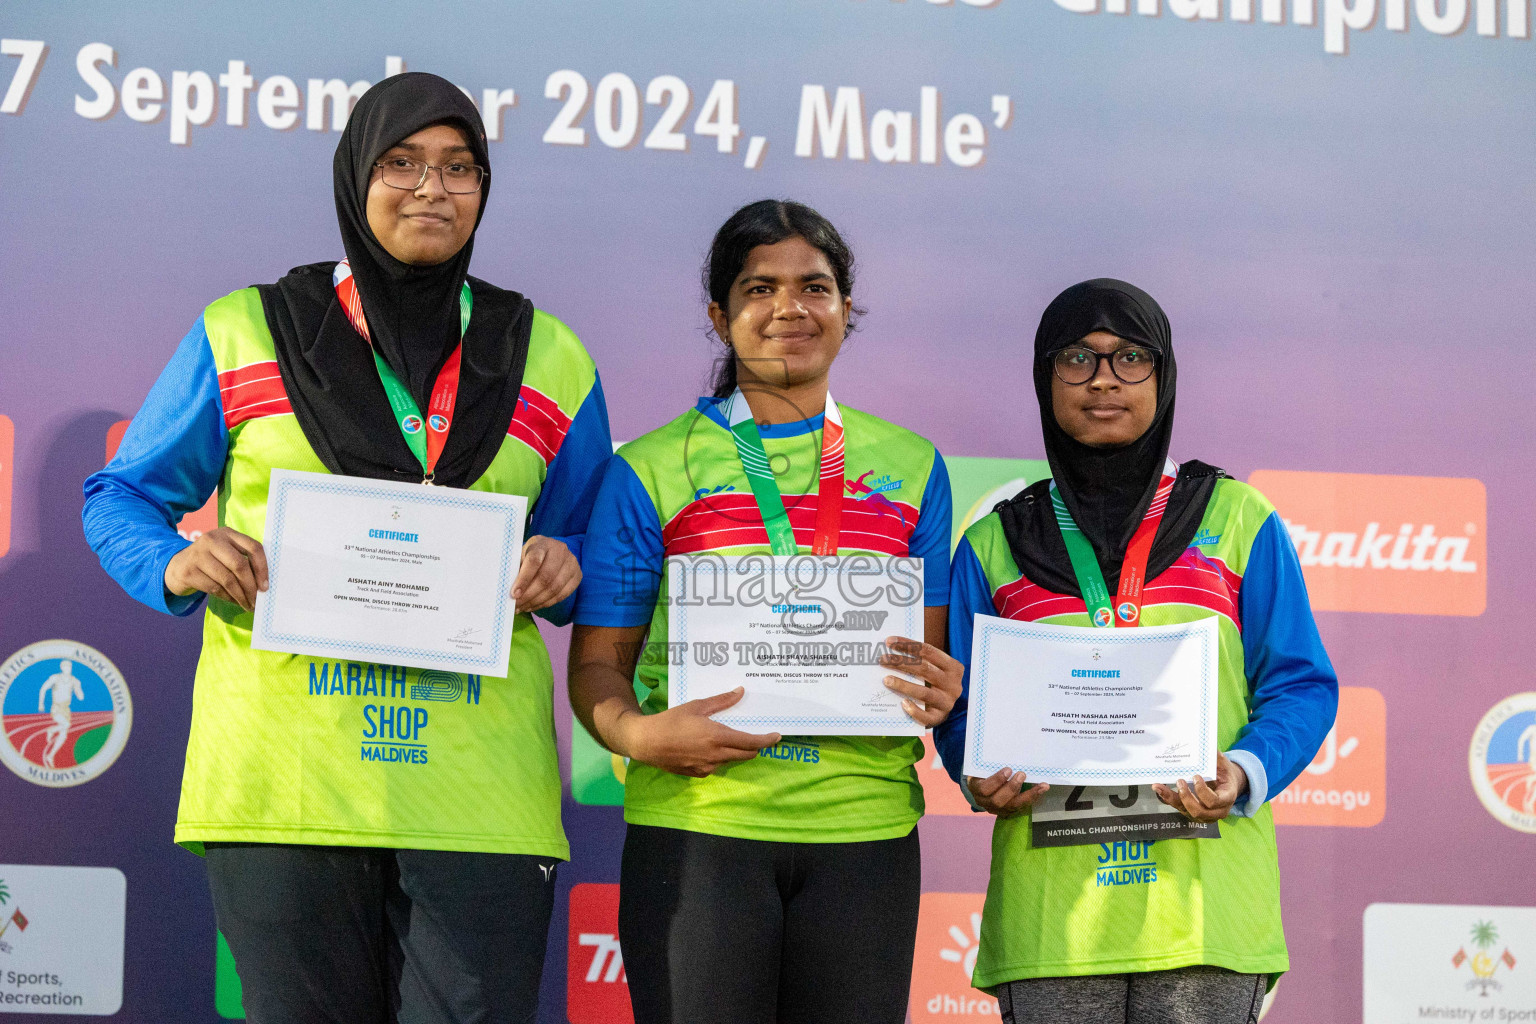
<point x="464" y="634"/>
<point x="1174" y="749"/>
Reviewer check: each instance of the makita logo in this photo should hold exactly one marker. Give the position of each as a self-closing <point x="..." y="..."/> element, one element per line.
<point x="1411" y="545"/>
<point x="1412" y="548"/>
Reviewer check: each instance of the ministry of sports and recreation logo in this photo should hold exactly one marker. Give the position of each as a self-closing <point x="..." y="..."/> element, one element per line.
<point x="11" y="918"/>
<point x="66" y="713"/>
<point x="1483" y="965"/>
<point x="1502" y="760"/>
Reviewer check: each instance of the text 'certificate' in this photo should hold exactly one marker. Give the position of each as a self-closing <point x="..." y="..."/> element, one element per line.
<point x="1088" y="706"/>
<point x="395" y="573"/>
<point x="803" y="634"/>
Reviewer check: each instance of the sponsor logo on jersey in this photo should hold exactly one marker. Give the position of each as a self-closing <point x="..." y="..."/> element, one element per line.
<point x="7" y="451"/>
<point x="1346" y="783"/>
<point x="1502" y="760"/>
<point x="1125" y="862"/>
<point x="1367" y="543"/>
<point x="66" y="713"/>
<point x="194" y="524"/>
<point x="64" y="953"/>
<point x="794" y="749"/>
<point x="1467" y="963"/>
<point x="872" y="492"/>
<point x="411" y="424"/>
<point x="948" y="937"/>
<point x="1205" y="538"/>
<point x="596" y="985"/>
<point x="393" y="730"/>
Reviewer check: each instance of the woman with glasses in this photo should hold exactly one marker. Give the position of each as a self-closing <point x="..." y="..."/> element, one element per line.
<point x="765" y="877"/>
<point x="1122" y="923"/>
<point x="411" y="882"/>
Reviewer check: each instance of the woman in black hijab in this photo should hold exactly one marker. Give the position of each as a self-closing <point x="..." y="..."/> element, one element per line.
<point x="1136" y="912"/>
<point x="381" y="842"/>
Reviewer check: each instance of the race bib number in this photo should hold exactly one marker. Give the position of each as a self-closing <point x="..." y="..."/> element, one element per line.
<point x="1080" y="815"/>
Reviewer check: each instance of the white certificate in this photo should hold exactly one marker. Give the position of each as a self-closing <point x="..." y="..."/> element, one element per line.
<point x="1095" y="707"/>
<point x="401" y="574"/>
<point x="802" y="634"/>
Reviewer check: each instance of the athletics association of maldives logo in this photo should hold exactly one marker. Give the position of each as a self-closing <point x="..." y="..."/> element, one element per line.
<point x="1502" y="760"/>
<point x="1102" y="617"/>
<point x="411" y="424"/>
<point x="438" y="422"/>
<point x="66" y="713"/>
<point x="1128" y="612"/>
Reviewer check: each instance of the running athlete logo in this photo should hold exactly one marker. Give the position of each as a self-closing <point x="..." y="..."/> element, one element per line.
<point x="411" y="424"/>
<point x="437" y="422"/>
<point x="1502" y="760"/>
<point x="1402" y="544"/>
<point x="1128" y="612"/>
<point x="948" y="939"/>
<point x="1102" y="617"/>
<point x="596" y="986"/>
<point x="66" y="711"/>
<point x="873" y="492"/>
<point x="1346" y="783"/>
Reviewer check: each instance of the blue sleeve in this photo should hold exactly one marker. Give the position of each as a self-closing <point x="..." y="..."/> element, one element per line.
<point x="1295" y="692"/>
<point x="969" y="595"/>
<point x="623" y="559"/>
<point x="930" y="539"/>
<point x="170" y="460"/>
<point x="570" y="486"/>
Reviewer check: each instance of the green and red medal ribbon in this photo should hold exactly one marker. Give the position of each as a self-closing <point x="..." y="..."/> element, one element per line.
<point x="425" y="437"/>
<point x="1126" y="611"/>
<point x="770" y="503"/>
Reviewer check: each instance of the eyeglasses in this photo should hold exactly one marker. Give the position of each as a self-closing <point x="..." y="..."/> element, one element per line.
<point x="458" y="178"/>
<point x="1078" y="364"/>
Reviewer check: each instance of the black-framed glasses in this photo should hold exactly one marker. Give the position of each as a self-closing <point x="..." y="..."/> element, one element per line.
<point x="404" y="173"/>
<point x="1079" y="364"/>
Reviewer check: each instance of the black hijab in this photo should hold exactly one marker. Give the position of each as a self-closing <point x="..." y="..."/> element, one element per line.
<point x="412" y="313"/>
<point x="1107" y="490"/>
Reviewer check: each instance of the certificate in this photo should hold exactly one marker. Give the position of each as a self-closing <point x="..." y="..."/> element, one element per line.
<point x="1093" y="707"/>
<point x="802" y="634"/>
<point x="395" y="573"/>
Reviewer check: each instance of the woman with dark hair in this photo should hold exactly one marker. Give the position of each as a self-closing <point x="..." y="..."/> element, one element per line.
<point x="1126" y="924"/>
<point x="385" y="887"/>
<point x="765" y="877"/>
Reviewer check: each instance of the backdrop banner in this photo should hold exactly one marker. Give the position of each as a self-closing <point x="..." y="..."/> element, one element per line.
<point x="1334" y="200"/>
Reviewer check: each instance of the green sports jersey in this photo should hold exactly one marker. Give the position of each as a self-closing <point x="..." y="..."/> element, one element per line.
<point x="1117" y="907"/>
<point x="294" y="749"/>
<point x="681" y="490"/>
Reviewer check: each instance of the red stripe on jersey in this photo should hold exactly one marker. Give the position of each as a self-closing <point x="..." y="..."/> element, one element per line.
<point x="539" y="423"/>
<point x="1195" y="579"/>
<point x="252" y="391"/>
<point x="731" y="519"/>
